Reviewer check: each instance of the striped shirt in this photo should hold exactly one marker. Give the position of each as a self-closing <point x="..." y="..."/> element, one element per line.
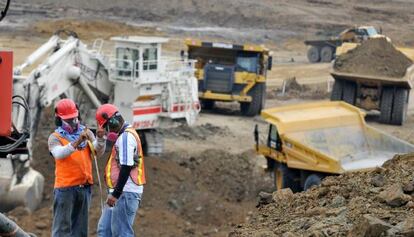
<point x="126" y="148"/>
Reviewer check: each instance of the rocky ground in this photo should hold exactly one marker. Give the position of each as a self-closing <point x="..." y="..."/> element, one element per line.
<point x="376" y="203"/>
<point x="208" y="181"/>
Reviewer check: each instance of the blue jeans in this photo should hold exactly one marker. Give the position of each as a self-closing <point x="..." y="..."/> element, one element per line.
<point x="70" y="211"/>
<point x="117" y="221"/>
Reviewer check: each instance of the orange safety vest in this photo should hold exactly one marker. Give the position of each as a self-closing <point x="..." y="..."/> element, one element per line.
<point x="112" y="168"/>
<point x="75" y="169"/>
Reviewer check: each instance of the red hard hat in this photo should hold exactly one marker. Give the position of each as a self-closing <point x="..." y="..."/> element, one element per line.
<point x="66" y="109"/>
<point x="104" y="113"/>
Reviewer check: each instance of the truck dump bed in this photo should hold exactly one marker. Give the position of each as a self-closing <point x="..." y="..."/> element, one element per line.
<point x="331" y="137"/>
<point x="405" y="82"/>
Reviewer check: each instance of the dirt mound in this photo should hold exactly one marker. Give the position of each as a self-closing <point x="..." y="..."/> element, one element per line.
<point x="188" y="195"/>
<point x="376" y="57"/>
<point x="295" y="90"/>
<point x="354" y="204"/>
<point x="200" y="132"/>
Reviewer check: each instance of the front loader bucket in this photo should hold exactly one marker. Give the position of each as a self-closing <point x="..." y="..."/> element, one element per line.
<point x="27" y="193"/>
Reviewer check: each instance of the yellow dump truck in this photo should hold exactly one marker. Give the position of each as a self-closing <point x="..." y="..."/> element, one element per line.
<point x="307" y="142"/>
<point x="230" y="72"/>
<point x="388" y="95"/>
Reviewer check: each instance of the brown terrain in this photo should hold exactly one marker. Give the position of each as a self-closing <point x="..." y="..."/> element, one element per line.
<point x="208" y="181"/>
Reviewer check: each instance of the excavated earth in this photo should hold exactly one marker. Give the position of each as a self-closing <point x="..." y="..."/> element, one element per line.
<point x="376" y="57"/>
<point x="374" y="203"/>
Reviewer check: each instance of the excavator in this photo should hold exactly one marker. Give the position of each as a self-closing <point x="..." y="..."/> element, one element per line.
<point x="151" y="91"/>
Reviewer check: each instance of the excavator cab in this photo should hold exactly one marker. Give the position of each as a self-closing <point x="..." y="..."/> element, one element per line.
<point x="136" y="57"/>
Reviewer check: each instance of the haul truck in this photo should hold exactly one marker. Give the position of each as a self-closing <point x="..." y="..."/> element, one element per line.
<point x="388" y="95"/>
<point x="324" y="50"/>
<point x="307" y="142"/>
<point x="229" y="72"/>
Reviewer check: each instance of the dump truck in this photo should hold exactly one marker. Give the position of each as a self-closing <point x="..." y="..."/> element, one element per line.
<point x="324" y="50"/>
<point x="388" y="95"/>
<point x="307" y="142"/>
<point x="230" y="72"/>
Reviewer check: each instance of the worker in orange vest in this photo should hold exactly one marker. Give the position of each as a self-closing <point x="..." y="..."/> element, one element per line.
<point x="73" y="172"/>
<point x="124" y="174"/>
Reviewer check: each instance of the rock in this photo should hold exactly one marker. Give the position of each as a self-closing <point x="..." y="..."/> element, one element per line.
<point x="369" y="226"/>
<point x="289" y="234"/>
<point x="410" y="204"/>
<point x="315" y="211"/>
<point x="141" y="213"/>
<point x="394" y="196"/>
<point x="41" y="225"/>
<point x="323" y="191"/>
<point x="408" y="187"/>
<point x="173" y="204"/>
<point x="264" y="198"/>
<point x="338" y="201"/>
<point x="264" y="233"/>
<point x="282" y="195"/>
<point x="199" y="208"/>
<point x="378" y="180"/>
<point x="407" y="227"/>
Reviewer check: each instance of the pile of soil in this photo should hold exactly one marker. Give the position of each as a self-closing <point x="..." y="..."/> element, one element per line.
<point x="376" y="57"/>
<point x="187" y="195"/>
<point x="375" y="203"/>
<point x="200" y="132"/>
<point x="294" y="90"/>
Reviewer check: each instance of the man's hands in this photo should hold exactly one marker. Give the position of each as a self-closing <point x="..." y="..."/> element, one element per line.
<point x="83" y="137"/>
<point x="111" y="200"/>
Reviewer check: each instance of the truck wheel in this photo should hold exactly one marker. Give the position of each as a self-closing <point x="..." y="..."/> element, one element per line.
<point x="326" y="54"/>
<point x="207" y="104"/>
<point x="337" y="90"/>
<point x="313" y="54"/>
<point x="312" y="180"/>
<point x="349" y="93"/>
<point x="399" y="107"/>
<point x="387" y="98"/>
<point x="286" y="178"/>
<point x="253" y="108"/>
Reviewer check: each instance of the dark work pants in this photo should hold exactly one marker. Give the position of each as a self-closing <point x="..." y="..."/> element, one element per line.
<point x="70" y="211"/>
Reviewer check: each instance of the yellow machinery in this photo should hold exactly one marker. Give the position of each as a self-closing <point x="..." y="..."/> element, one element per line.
<point x="230" y="72"/>
<point x="306" y="142"/>
<point x="390" y="96"/>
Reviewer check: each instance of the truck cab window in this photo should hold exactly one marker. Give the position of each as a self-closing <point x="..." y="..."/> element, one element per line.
<point x="247" y="62"/>
<point x="150" y="57"/>
<point x="127" y="59"/>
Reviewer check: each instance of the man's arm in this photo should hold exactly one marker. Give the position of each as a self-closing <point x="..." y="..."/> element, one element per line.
<point x="57" y="150"/>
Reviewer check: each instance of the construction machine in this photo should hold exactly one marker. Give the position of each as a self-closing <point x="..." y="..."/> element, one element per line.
<point x="307" y="142"/>
<point x="230" y="72"/>
<point x="324" y="50"/>
<point x="151" y="91"/>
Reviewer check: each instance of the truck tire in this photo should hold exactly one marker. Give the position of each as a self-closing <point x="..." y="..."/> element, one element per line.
<point x="207" y="104"/>
<point x="253" y="108"/>
<point x="313" y="54"/>
<point x="399" y="107"/>
<point x="326" y="54"/>
<point x="349" y="92"/>
<point x="386" y="103"/>
<point x="312" y="180"/>
<point x="337" y="90"/>
<point x="286" y="178"/>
